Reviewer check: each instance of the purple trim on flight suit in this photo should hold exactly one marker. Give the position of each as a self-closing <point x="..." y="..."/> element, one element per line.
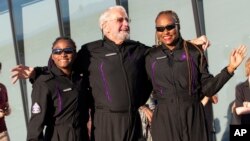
<point x="59" y="103"/>
<point x="105" y="82"/>
<point x="153" y="76"/>
<point x="193" y="74"/>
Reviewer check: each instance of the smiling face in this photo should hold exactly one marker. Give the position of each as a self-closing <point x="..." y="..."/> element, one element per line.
<point x="167" y="30"/>
<point x="63" y="54"/>
<point x="116" y="26"/>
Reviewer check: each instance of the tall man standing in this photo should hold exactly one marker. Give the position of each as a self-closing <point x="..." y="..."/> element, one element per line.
<point x="118" y="81"/>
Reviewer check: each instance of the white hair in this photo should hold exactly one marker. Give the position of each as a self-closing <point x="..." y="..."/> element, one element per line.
<point x="107" y="14"/>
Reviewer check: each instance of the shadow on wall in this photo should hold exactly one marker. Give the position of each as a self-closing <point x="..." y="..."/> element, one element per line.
<point x="229" y="117"/>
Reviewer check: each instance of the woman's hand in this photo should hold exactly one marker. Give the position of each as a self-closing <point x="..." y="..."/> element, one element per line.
<point x="21" y="72"/>
<point x="236" y="58"/>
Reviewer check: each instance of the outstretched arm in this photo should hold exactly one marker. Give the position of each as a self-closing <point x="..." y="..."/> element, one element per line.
<point x="210" y="84"/>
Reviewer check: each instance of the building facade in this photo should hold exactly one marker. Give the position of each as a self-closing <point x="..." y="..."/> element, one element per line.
<point x="28" y="28"/>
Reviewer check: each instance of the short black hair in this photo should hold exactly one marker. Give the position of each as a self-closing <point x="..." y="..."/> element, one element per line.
<point x="71" y="41"/>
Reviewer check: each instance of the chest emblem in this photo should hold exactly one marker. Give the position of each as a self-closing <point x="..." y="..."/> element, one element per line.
<point x="161" y="57"/>
<point x="67" y="89"/>
<point x="111" y="54"/>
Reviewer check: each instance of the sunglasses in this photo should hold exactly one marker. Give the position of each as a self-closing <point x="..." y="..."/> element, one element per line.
<point x="162" y="28"/>
<point x="58" y="51"/>
<point x="122" y="19"/>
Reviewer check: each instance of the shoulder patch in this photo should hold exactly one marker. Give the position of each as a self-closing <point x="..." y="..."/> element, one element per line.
<point x="36" y="109"/>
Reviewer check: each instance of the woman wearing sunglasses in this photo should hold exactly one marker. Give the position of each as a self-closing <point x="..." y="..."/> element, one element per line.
<point x="59" y="100"/>
<point x="179" y="74"/>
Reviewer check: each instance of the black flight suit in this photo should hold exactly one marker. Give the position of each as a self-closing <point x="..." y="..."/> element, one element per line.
<point x="119" y="85"/>
<point x="59" y="104"/>
<point x="179" y="79"/>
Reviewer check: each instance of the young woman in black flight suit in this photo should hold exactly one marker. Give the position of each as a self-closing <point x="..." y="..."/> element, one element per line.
<point x="59" y="99"/>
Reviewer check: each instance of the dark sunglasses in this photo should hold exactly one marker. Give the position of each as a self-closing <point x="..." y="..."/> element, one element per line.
<point x="121" y="19"/>
<point x="59" y="51"/>
<point x="162" y="28"/>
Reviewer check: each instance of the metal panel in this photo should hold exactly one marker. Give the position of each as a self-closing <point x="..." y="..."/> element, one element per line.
<point x="17" y="28"/>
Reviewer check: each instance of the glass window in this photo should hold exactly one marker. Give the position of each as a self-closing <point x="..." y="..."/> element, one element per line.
<point x="227" y="26"/>
<point x="39" y="30"/>
<point x="84" y="19"/>
<point x="143" y="18"/>
<point x="15" y="121"/>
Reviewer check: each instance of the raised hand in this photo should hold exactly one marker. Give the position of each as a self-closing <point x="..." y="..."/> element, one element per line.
<point x="236" y="57"/>
<point x="21" y="72"/>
